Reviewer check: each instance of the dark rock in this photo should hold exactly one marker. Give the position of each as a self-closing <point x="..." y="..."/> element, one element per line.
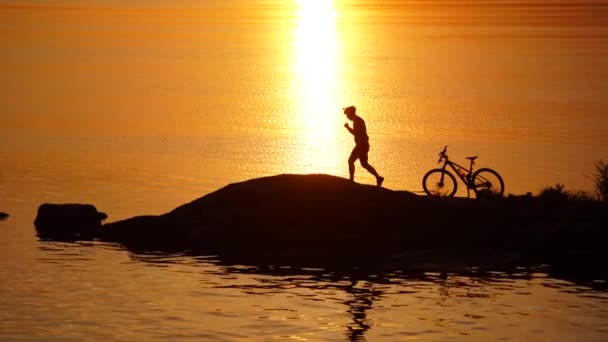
<point x="68" y="221"/>
<point x="322" y="217"/>
<point x="328" y="212"/>
<point x="3" y="215"/>
<point x="301" y="209"/>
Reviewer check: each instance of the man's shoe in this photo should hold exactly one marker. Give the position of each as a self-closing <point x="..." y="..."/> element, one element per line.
<point x="379" y="181"/>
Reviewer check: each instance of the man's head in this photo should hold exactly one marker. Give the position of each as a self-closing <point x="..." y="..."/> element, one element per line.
<point x="350" y="112"/>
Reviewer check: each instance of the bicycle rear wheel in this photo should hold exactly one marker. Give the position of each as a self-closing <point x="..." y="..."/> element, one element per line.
<point x="439" y="182"/>
<point x="488" y="183"/>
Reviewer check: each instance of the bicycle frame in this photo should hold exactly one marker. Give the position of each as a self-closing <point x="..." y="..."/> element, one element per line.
<point x="460" y="171"/>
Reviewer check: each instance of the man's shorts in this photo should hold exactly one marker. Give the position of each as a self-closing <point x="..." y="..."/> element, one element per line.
<point x="359" y="152"/>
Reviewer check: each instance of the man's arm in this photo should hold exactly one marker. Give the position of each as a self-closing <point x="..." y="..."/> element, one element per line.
<point x="349" y="129"/>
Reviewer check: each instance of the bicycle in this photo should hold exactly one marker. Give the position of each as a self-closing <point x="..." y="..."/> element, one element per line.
<point x="441" y="182"/>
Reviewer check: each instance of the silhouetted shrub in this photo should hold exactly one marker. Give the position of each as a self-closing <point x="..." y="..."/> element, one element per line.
<point x="559" y="193"/>
<point x="601" y="179"/>
<point x="554" y="193"/>
<point x="581" y="196"/>
<point x="487" y="194"/>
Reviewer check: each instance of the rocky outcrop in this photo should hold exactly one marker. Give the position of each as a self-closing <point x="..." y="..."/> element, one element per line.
<point x="325" y="217"/>
<point x="303" y="209"/>
<point x="68" y="221"/>
<point x="326" y="210"/>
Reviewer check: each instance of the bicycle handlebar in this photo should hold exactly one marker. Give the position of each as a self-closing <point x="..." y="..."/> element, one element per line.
<point x="442" y="154"/>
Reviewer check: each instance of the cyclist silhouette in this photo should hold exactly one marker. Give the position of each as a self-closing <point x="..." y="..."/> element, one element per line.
<point x="361" y="145"/>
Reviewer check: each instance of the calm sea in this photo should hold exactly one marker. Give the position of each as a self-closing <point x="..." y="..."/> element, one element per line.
<point x="140" y="106"/>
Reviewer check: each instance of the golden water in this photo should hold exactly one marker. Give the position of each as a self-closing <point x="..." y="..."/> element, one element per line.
<point x="140" y="107"/>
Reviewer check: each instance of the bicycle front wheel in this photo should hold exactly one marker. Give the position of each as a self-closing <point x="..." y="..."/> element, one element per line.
<point x="439" y="182"/>
<point x="488" y="183"/>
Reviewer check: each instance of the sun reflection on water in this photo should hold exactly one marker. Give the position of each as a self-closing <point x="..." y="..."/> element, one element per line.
<point x="316" y="85"/>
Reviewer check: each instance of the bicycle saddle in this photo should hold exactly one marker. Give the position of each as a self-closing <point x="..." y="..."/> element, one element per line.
<point x="472" y="158"/>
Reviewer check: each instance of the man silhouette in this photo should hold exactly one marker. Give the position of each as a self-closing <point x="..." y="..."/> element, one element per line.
<point x="361" y="145"/>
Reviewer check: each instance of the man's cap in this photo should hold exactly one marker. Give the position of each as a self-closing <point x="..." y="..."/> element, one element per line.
<point x="349" y="109"/>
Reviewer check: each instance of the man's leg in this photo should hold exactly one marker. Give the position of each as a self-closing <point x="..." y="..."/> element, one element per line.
<point x="351" y="163"/>
<point x="370" y="169"/>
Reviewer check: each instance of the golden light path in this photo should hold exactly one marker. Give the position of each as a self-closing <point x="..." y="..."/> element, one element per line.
<point x="316" y="85"/>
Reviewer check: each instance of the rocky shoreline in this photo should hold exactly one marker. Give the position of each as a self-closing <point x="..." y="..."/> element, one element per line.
<point x="319" y="218"/>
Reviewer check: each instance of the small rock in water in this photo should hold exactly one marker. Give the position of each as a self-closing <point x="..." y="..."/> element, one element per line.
<point x="3" y="215"/>
<point x="69" y="220"/>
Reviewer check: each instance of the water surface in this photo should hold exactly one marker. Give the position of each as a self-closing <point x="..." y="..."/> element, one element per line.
<point x="140" y="107"/>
